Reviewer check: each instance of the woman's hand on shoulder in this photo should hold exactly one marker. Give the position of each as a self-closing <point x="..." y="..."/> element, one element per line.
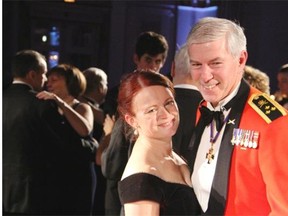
<point x="45" y="95"/>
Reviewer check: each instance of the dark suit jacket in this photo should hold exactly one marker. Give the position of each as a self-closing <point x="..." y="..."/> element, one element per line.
<point x="187" y="101"/>
<point x="114" y="160"/>
<point x="28" y="144"/>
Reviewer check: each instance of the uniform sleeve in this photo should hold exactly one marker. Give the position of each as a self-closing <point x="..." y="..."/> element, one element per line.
<point x="273" y="160"/>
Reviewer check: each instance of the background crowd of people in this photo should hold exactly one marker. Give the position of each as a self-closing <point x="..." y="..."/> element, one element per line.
<point x="150" y="145"/>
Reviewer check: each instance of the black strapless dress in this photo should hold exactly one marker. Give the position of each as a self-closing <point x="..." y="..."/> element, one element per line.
<point x="174" y="198"/>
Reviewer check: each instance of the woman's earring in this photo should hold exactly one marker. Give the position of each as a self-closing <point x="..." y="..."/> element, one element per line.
<point x="136" y="132"/>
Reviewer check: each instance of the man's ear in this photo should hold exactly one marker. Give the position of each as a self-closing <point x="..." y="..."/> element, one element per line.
<point x="135" y="59"/>
<point x="30" y="76"/>
<point x="243" y="58"/>
<point x="172" y="73"/>
<point x="130" y="120"/>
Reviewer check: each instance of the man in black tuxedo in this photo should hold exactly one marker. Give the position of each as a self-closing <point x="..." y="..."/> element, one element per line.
<point x="187" y="97"/>
<point x="29" y="139"/>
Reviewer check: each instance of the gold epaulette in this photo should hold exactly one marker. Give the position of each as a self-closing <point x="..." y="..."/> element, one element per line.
<point x="266" y="107"/>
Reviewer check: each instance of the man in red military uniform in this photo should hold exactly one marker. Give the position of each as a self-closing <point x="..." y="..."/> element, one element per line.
<point x="238" y="153"/>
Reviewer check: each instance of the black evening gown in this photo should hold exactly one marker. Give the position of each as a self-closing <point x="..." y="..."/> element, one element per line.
<point x="73" y="174"/>
<point x="174" y="198"/>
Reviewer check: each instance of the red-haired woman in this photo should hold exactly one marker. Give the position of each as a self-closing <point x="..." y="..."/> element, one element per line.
<point x="156" y="181"/>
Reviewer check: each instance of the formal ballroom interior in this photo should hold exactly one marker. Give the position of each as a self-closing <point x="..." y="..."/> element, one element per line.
<point x="102" y="33"/>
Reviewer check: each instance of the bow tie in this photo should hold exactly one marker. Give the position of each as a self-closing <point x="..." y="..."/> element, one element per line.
<point x="209" y="115"/>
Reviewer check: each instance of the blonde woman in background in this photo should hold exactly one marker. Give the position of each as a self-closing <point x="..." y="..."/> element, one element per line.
<point x="257" y="79"/>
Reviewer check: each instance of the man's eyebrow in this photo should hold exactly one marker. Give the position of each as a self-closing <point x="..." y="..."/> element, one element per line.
<point x="215" y="59"/>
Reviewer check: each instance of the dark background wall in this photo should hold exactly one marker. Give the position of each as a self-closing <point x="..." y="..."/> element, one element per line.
<point x="266" y="28"/>
<point x="102" y="33"/>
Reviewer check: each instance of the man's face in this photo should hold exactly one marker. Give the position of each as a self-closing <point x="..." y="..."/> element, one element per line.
<point x="215" y="70"/>
<point x="147" y="62"/>
<point x="103" y="91"/>
<point x="40" y="77"/>
<point x="282" y="79"/>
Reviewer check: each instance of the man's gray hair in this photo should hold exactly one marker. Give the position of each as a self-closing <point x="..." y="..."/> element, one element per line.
<point x="209" y="29"/>
<point x="181" y="59"/>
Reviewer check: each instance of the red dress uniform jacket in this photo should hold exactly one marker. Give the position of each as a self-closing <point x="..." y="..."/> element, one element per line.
<point x="249" y="180"/>
<point x="258" y="182"/>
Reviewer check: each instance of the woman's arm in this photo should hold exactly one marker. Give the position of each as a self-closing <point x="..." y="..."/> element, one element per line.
<point x="142" y="208"/>
<point x="80" y="119"/>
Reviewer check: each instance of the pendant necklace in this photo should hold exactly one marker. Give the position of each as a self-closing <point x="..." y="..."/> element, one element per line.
<point x="211" y="154"/>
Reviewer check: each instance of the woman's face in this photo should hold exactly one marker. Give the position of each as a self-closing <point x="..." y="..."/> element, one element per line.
<point x="155" y="112"/>
<point x="57" y="85"/>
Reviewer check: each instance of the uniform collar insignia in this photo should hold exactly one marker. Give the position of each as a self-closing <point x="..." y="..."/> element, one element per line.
<point x="231" y="121"/>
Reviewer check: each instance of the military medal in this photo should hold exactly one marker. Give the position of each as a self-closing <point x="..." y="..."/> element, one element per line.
<point x="255" y="139"/>
<point x="245" y="138"/>
<point x="211" y="154"/>
<point x="233" y="140"/>
<point x="250" y="144"/>
<point x="238" y="136"/>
